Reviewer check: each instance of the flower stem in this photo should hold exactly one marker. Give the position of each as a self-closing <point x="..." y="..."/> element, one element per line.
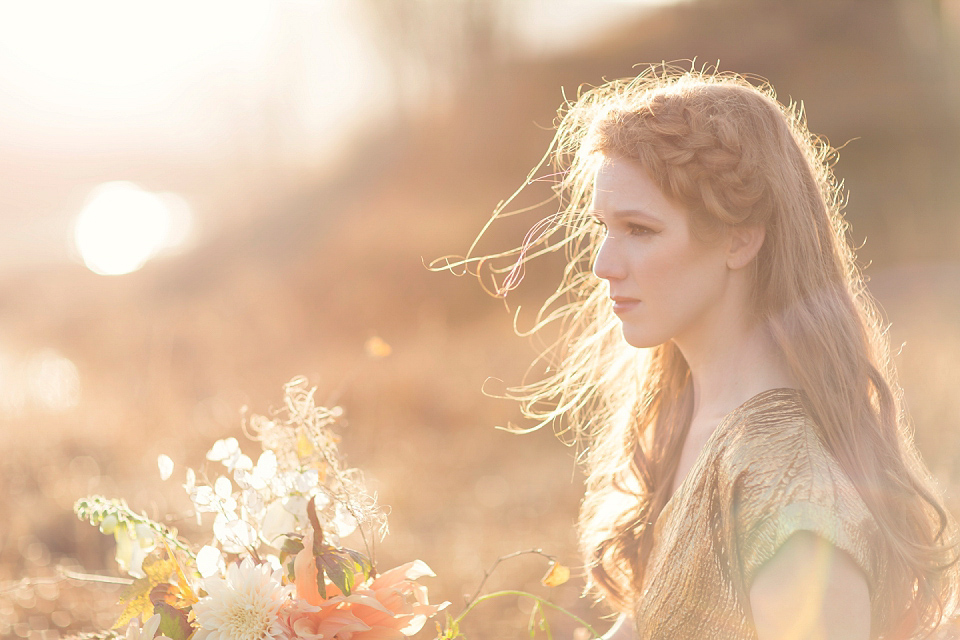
<point x="509" y="556"/>
<point x="543" y="602"/>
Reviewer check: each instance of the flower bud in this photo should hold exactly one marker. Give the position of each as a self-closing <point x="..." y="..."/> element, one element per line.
<point x="108" y="524"/>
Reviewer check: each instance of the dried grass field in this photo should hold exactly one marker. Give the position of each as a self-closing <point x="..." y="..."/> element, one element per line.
<point x="164" y="360"/>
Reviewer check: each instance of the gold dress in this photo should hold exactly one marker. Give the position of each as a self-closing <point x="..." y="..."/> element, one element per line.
<point x="763" y="475"/>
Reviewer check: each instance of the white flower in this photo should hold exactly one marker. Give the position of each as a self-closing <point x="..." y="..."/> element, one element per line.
<point x="228" y="452"/>
<point x="252" y="503"/>
<point x="263" y="473"/>
<point x="215" y="499"/>
<point x="191" y="480"/>
<point x="133" y="545"/>
<point x="233" y="534"/>
<point x="149" y="630"/>
<point x="343" y="522"/>
<point x="287" y="482"/>
<point x="165" y="464"/>
<point x="276" y="522"/>
<point x="306" y="482"/>
<point x="223" y="488"/>
<point x="210" y="562"/>
<point x="244" y="606"/>
<point x="297" y="505"/>
<point x="204" y="499"/>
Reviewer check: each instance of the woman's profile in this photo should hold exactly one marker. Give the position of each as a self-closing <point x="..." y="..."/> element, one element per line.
<point x="750" y="467"/>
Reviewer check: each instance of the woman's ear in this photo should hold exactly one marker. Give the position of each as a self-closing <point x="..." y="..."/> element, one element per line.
<point x="744" y="244"/>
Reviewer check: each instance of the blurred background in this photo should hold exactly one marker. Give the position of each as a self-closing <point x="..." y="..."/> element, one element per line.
<point x="201" y="200"/>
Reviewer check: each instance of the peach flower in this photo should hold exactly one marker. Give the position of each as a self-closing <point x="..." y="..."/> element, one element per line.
<point x="390" y="607"/>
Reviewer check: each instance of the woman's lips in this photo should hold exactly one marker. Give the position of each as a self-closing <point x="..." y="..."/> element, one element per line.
<point x="622" y="305"/>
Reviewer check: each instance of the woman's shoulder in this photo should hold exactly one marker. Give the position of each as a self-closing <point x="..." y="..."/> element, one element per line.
<point x="779" y="477"/>
<point x="774" y="441"/>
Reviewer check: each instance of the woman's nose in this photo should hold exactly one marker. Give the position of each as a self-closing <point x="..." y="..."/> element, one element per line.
<point x="607" y="265"/>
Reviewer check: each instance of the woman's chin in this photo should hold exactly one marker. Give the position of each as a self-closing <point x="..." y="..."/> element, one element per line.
<point x="641" y="340"/>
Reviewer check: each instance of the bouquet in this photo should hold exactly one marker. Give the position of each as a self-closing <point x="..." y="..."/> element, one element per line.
<point x="275" y="565"/>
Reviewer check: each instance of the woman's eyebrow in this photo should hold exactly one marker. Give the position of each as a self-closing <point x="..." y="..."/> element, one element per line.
<point x="624" y="213"/>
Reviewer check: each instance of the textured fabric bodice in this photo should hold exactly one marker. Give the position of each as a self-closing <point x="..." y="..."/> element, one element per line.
<point x="763" y="475"/>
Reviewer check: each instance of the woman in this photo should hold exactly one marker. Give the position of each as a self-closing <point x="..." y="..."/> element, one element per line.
<point x="750" y="467"/>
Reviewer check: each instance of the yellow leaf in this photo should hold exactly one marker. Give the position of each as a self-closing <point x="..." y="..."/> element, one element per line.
<point x="182" y="590"/>
<point x="158" y="568"/>
<point x="136" y="601"/>
<point x="304" y="446"/>
<point x="556" y="575"/>
<point x="377" y="348"/>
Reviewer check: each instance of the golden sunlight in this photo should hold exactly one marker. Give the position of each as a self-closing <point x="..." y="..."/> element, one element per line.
<point x="122" y="226"/>
<point x="115" y="56"/>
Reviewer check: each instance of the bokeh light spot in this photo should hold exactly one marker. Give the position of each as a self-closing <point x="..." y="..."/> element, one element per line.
<point x="122" y="226"/>
<point x="54" y="381"/>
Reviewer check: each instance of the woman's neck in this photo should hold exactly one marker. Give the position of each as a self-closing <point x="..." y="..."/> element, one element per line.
<point x="736" y="362"/>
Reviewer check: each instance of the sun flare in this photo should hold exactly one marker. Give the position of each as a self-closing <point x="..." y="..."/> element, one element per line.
<point x="122" y="226"/>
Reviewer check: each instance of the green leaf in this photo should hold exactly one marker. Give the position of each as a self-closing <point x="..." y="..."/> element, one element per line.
<point x="339" y="568"/>
<point x="108" y="514"/>
<point x="290" y="565"/>
<point x="288" y="555"/>
<point x="319" y="549"/>
<point x="291" y="546"/>
<point x="361" y="563"/>
<point x="342" y="567"/>
<point x="173" y="621"/>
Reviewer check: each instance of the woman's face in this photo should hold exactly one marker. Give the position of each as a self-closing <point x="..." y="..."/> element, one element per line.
<point x="665" y="283"/>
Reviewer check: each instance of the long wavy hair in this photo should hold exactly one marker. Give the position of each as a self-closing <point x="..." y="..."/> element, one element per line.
<point x="723" y="147"/>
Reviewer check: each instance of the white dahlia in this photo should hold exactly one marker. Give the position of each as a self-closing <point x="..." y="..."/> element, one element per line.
<point x="244" y="606"/>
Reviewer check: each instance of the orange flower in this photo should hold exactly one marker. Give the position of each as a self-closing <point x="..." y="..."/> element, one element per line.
<point x="390" y="607"/>
<point x="300" y="620"/>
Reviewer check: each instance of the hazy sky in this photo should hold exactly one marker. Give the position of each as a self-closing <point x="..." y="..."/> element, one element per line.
<point x="93" y="92"/>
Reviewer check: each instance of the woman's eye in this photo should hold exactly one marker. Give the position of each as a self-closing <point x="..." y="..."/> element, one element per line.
<point x="631" y="229"/>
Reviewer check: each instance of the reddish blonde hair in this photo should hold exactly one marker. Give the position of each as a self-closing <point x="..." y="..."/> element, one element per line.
<point x="730" y="153"/>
